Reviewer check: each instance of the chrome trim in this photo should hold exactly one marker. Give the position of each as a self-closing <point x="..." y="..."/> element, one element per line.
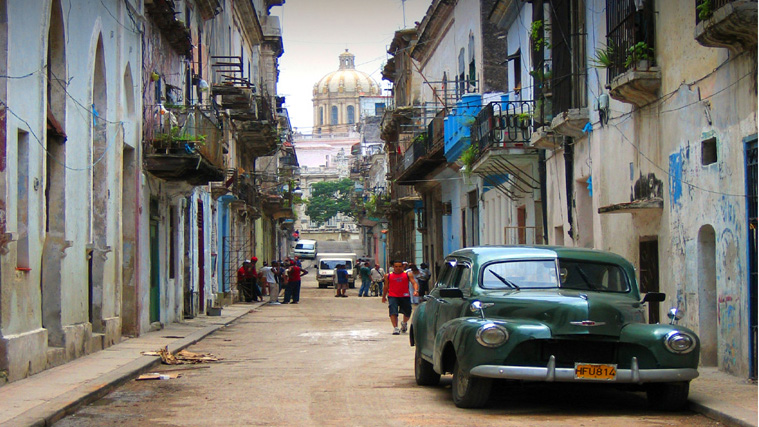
<point x="672" y="334"/>
<point x="488" y="326"/>
<point x="587" y="323"/>
<point x="551" y="373"/>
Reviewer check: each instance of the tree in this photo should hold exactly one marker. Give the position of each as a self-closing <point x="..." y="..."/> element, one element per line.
<point x="328" y="199"/>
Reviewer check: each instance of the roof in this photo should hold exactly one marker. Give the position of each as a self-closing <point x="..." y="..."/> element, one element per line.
<point x="490" y="253"/>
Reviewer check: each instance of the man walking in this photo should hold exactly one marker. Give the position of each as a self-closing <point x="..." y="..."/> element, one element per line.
<point x="396" y="293"/>
<point x="377" y="276"/>
<point x="293" y="273"/>
<point x="366" y="279"/>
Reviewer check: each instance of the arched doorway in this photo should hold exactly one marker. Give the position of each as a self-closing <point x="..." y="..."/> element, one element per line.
<point x="99" y="189"/>
<point x="707" y="295"/>
<point x="54" y="245"/>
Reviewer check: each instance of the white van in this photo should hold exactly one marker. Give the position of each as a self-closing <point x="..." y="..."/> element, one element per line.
<point x="306" y="249"/>
<point x="326" y="268"/>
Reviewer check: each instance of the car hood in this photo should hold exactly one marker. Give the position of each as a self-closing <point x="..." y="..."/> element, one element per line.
<point x="566" y="311"/>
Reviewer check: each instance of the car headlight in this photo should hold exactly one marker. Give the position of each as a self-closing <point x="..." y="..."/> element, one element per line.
<point x="492" y="335"/>
<point x="679" y="342"/>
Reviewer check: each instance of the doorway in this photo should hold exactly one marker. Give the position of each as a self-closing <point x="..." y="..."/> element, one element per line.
<point x="707" y="295"/>
<point x="648" y="253"/>
<point x="155" y="265"/>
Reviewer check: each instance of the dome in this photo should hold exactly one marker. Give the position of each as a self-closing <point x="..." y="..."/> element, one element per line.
<point x="347" y="79"/>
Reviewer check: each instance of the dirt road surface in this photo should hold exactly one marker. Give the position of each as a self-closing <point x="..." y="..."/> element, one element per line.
<point x="334" y="362"/>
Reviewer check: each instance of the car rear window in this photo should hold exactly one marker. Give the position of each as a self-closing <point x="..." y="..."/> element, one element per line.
<point x="520" y="274"/>
<point x="304" y="246"/>
<point x="332" y="264"/>
<point x="592" y="276"/>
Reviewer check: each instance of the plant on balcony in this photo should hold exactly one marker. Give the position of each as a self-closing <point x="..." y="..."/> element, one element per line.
<point x="704" y="10"/>
<point x="639" y="55"/>
<point x="604" y="57"/>
<point x="468" y="157"/>
<point x="537" y="36"/>
<point x="175" y="138"/>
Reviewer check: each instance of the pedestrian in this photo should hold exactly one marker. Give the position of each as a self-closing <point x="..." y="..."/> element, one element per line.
<point x="414" y="272"/>
<point x="366" y="279"/>
<point x="293" y="273"/>
<point x="262" y="280"/>
<point x="398" y="297"/>
<point x="297" y="261"/>
<point x="243" y="282"/>
<point x="254" y="273"/>
<point x="269" y="273"/>
<point x="341" y="279"/>
<point x="378" y="276"/>
<point x="424" y="279"/>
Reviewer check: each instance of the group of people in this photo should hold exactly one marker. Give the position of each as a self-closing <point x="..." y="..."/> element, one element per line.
<point x="255" y="285"/>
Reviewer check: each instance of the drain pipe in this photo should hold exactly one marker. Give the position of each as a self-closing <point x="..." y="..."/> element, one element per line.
<point x="543" y="192"/>
<point x="569" y="152"/>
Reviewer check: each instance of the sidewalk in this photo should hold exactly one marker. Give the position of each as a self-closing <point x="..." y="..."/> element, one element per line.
<point x="50" y="395"/>
<point x="47" y="397"/>
<point x="725" y="398"/>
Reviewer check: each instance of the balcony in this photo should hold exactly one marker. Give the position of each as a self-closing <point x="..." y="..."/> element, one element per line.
<point x="458" y="126"/>
<point x="728" y="23"/>
<point x="163" y="14"/>
<point x="570" y="122"/>
<point x="425" y="154"/>
<point x="544" y="137"/>
<point x="632" y="77"/>
<point x="273" y="35"/>
<point x="184" y="144"/>
<point x="502" y="132"/>
<point x="253" y="122"/>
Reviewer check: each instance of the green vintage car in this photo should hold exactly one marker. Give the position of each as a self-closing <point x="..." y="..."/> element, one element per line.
<point x="542" y="313"/>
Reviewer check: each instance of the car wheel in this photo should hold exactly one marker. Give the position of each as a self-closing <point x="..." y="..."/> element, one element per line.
<point x="469" y="391"/>
<point x="423" y="371"/>
<point x="668" y="396"/>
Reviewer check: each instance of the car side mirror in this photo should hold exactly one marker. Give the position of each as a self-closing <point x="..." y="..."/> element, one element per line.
<point x="451" y="293"/>
<point x="654" y="297"/>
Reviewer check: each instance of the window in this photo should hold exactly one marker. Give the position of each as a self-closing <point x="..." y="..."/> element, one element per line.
<point x="591" y="276"/>
<point x="321" y="115"/>
<point x="333" y="116"/>
<point x="351" y="115"/>
<point x="472" y="67"/>
<point x="535" y="274"/>
<point x="461" y="82"/>
<point x="627" y="26"/>
<point x="517" y="71"/>
<point x="709" y="151"/>
<point x="379" y="108"/>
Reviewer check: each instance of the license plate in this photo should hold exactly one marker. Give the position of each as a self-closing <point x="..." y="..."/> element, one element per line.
<point x="593" y="371"/>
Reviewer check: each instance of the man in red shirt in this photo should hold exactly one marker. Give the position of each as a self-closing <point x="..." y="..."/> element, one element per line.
<point x="292" y="290"/>
<point x="396" y="292"/>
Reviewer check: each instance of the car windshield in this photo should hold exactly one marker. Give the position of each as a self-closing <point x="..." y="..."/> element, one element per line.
<point x="332" y="264"/>
<point x="520" y="274"/>
<point x="304" y="246"/>
<point x="592" y="276"/>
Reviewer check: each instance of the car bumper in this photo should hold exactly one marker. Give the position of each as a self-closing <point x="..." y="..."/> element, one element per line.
<point x="551" y="373"/>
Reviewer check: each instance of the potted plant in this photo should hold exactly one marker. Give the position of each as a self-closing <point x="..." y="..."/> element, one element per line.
<point x="639" y="56"/>
<point x="704" y="9"/>
<point x="604" y="57"/>
<point x="468" y="158"/>
<point x="537" y="35"/>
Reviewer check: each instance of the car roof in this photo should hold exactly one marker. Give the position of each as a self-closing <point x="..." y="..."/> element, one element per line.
<point x="484" y="254"/>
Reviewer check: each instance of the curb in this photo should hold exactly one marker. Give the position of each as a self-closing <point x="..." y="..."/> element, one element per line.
<point x="718" y="415"/>
<point x="54" y="410"/>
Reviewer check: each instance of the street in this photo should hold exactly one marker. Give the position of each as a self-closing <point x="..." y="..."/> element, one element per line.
<point x="334" y="361"/>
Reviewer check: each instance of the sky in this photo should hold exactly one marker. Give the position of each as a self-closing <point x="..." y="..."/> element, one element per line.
<point x="315" y="32"/>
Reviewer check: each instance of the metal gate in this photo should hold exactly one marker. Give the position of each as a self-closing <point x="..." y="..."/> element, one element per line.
<point x="235" y="252"/>
<point x="751" y="202"/>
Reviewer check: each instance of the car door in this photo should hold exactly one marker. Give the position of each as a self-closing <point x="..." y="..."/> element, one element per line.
<point x="432" y="306"/>
<point x="459" y="278"/>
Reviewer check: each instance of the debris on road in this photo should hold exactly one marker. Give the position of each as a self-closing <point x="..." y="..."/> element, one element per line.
<point x="157" y="376"/>
<point x="182" y="357"/>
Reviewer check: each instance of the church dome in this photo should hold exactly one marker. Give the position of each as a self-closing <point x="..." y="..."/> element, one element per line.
<point x="347" y="80"/>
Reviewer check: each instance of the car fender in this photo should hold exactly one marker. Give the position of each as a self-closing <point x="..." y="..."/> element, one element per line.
<point x="652" y="337"/>
<point x="461" y="334"/>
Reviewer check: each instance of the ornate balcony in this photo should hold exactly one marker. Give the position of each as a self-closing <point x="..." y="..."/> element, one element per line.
<point x="502" y="132"/>
<point x="184" y="144"/>
<point x="425" y="154"/>
<point x="637" y="87"/>
<point x="730" y="24"/>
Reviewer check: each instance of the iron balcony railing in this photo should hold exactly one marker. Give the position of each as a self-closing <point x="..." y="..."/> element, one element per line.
<point x="503" y="124"/>
<point x="628" y="27"/>
<point x="189" y="130"/>
<point x="705" y="8"/>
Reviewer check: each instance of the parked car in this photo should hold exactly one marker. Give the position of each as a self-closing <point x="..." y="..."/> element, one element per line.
<point x="326" y="268"/>
<point x="552" y="314"/>
<point x="306" y="249"/>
